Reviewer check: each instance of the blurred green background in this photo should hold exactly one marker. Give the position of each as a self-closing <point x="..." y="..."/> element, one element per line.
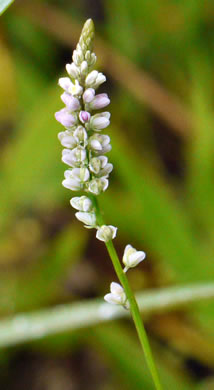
<point x="158" y="57"/>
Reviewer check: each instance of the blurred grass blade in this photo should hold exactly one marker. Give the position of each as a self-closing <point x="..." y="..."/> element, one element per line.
<point x="4" y="4"/>
<point x="31" y="326"/>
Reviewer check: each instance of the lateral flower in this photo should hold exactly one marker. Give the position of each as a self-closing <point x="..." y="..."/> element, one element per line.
<point x="96" y="186"/>
<point x="132" y="257"/>
<point x="74" y="157"/>
<point x="89" y="219"/>
<point x="106" y="233"/>
<point x="88" y="95"/>
<point x="100" y="101"/>
<point x="117" y="295"/>
<point x="65" y="118"/>
<point x="100" y="121"/>
<point x="71" y="102"/>
<point x="81" y="203"/>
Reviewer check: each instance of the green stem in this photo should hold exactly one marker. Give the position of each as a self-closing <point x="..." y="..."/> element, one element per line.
<point x="135" y="312"/>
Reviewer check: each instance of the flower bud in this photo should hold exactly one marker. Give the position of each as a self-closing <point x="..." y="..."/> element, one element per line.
<point x="88" y="95"/>
<point x="132" y="257"/>
<point x="75" y="89"/>
<point x="89" y="219"/>
<point x="71" y="102"/>
<point x="77" y="56"/>
<point x="84" y="68"/>
<point x="106" y="233"/>
<point x="94" y="79"/>
<point x="99" y="80"/>
<point x="117" y="295"/>
<point x="90" y="58"/>
<point x="96" y="186"/>
<point x="91" y="78"/>
<point x="84" y="116"/>
<point x="100" y="121"/>
<point x="81" y="203"/>
<point x="67" y="140"/>
<point x="72" y="184"/>
<point x="66" y="119"/>
<point x="93" y="59"/>
<point x="73" y="70"/>
<point x="99" y="101"/>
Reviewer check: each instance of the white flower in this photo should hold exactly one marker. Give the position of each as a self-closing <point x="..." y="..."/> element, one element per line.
<point x="117" y="295"/>
<point x="100" y="166"/>
<point x="88" y="95"/>
<point x="82" y="174"/>
<point x="71" y="183"/>
<point x="81" y="203"/>
<point x="100" y="121"/>
<point x="132" y="257"/>
<point x="75" y="178"/>
<point x="75" y="89"/>
<point x="65" y="83"/>
<point x="96" y="186"/>
<point x="72" y="70"/>
<point x="106" y="233"/>
<point x="100" y="143"/>
<point x="74" y="157"/>
<point x="67" y="140"/>
<point x="89" y="219"/>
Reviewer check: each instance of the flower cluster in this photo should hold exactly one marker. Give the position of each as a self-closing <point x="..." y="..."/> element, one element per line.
<point x="84" y="144"/>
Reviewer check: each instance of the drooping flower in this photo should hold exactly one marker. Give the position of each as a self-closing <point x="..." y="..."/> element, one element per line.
<point x="132" y="257"/>
<point x="106" y="233"/>
<point x="117" y="295"/>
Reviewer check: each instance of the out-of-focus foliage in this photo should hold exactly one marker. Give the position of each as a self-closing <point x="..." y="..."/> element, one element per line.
<point x="159" y="60"/>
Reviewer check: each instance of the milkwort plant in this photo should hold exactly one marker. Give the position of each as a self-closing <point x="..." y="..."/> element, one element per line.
<point x="85" y="148"/>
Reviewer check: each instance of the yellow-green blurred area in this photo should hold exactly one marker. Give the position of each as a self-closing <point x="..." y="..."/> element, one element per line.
<point x="158" y="57"/>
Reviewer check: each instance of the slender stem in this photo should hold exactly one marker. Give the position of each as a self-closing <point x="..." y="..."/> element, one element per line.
<point x="135" y="312"/>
